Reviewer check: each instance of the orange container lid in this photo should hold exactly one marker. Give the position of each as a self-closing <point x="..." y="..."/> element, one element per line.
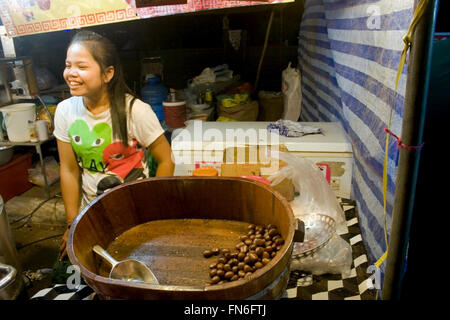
<point x="257" y="178"/>
<point x="205" y="172"/>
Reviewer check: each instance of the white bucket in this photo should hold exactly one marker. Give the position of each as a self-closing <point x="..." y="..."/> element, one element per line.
<point x="16" y="118"/>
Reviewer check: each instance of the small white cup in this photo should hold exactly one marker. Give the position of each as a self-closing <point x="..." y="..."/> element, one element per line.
<point x="42" y="129"/>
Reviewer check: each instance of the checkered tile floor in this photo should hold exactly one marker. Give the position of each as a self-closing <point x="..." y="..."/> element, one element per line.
<point x="301" y="286"/>
<point x="305" y="286"/>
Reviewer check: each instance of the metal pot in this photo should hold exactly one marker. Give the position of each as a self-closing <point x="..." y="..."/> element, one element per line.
<point x="11" y="281"/>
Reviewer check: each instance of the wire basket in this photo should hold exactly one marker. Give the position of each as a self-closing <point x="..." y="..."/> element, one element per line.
<point x="318" y="230"/>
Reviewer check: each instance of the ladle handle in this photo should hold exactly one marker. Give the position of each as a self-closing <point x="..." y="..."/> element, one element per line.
<point x="105" y="255"/>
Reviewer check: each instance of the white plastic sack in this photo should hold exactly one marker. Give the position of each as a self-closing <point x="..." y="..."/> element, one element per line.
<point x="316" y="197"/>
<point x="335" y="257"/>
<point x="292" y="94"/>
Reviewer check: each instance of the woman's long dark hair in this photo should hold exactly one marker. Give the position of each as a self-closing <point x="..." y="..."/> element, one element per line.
<point x="105" y="53"/>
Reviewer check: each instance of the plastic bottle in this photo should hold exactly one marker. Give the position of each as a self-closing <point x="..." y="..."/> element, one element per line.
<point x="154" y="93"/>
<point x="32" y="129"/>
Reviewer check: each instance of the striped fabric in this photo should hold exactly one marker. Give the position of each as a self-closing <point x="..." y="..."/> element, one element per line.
<point x="349" y="52"/>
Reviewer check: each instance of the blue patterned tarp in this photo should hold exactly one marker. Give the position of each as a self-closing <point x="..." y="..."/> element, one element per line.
<point x="349" y="52"/>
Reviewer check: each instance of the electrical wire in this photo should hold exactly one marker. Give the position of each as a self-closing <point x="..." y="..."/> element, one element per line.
<point x="30" y="215"/>
<point x="40" y="240"/>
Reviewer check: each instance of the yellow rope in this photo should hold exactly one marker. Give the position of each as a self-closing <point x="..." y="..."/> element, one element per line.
<point x="407" y="39"/>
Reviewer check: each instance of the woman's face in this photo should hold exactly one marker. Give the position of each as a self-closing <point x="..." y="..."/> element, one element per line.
<point x="82" y="73"/>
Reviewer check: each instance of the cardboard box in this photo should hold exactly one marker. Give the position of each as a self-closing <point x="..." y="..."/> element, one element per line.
<point x="250" y="155"/>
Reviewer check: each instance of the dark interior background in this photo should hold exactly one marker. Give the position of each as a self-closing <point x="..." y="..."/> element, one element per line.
<point x="188" y="43"/>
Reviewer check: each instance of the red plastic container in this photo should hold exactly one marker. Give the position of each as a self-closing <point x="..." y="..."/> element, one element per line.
<point x="14" y="176"/>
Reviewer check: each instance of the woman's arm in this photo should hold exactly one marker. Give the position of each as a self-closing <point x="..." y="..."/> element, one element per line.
<point x="161" y="151"/>
<point x="70" y="186"/>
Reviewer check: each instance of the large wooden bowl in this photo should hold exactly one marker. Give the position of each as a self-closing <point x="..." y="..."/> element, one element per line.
<point x="136" y="203"/>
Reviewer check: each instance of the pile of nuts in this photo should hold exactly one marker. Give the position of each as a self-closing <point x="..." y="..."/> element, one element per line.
<point x="253" y="252"/>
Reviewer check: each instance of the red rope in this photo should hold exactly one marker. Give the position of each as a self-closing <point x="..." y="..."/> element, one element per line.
<point x="400" y="144"/>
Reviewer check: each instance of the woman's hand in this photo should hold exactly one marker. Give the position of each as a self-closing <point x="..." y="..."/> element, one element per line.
<point x="63" y="246"/>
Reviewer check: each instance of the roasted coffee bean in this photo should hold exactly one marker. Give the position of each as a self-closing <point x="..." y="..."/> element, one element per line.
<point x="251" y="237"/>
<point x="240" y="244"/>
<point x="226" y="267"/>
<point x="258" y="236"/>
<point x="224" y="250"/>
<point x="227" y="256"/>
<point x="251" y="232"/>
<point x="222" y="260"/>
<point x="258" y="265"/>
<point x="269" y="249"/>
<point x="213" y="272"/>
<point x="221" y="282"/>
<point x="235" y="269"/>
<point x="265" y="255"/>
<point x="244" y="249"/>
<point x="215" y="251"/>
<point x="279" y="248"/>
<point x="234" y="278"/>
<point x="215" y="279"/>
<point x="265" y="261"/>
<point x="268" y="243"/>
<point x="259" y="251"/>
<point x="213" y="265"/>
<point x="247" y="260"/>
<point x="233" y="262"/>
<point x="248" y="242"/>
<point x="273" y="232"/>
<point x="248" y="275"/>
<point x="253" y="257"/>
<point x="259" y="242"/>
<point x="220" y="273"/>
<point x="241" y="256"/>
<point x="228" y="275"/>
<point x="247" y="268"/>
<point x="241" y="273"/>
<point x="276" y="237"/>
<point x="279" y="241"/>
<point x="234" y="255"/>
<point x="220" y="266"/>
<point x="241" y="265"/>
<point x="270" y="226"/>
<point x="267" y="237"/>
<point x="252" y="247"/>
<point x="251" y="226"/>
<point x="207" y="253"/>
<point x="273" y="254"/>
<point x="243" y="238"/>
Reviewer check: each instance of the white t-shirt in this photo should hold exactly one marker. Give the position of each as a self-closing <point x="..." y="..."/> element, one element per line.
<point x="104" y="160"/>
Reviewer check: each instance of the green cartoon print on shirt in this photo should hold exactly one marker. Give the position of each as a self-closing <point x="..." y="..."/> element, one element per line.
<point x="89" y="144"/>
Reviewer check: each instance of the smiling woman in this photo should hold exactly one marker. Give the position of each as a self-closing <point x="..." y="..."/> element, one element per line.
<point x="103" y="130"/>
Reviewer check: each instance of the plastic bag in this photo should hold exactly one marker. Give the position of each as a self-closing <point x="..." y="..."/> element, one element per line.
<point x="335" y="257"/>
<point x="51" y="171"/>
<point x="316" y="197"/>
<point x="292" y="94"/>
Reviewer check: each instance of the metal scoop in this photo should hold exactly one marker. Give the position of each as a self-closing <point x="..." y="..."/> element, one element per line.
<point x="128" y="270"/>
